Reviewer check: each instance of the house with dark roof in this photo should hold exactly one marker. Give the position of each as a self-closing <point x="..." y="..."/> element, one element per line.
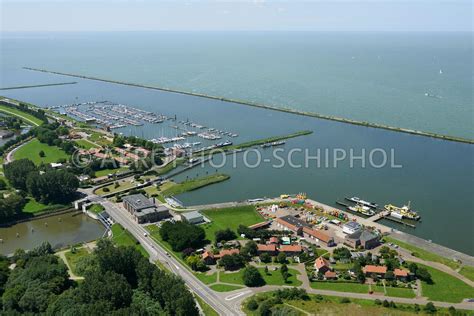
<point x="292" y="223"/>
<point x="362" y="238"/>
<point x="143" y="209"/>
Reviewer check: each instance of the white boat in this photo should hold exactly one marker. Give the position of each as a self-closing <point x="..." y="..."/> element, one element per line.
<point x="359" y="208"/>
<point x="355" y="199"/>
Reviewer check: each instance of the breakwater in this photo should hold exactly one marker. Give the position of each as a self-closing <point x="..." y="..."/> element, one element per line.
<point x="269" y="107"/>
<point x="39" y="85"/>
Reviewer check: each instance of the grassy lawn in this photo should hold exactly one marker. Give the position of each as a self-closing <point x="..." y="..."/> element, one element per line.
<point x="445" y="287"/>
<point x="272" y="278"/>
<point x="206" y="278"/>
<point x="96" y="208"/>
<point x="343" y="266"/>
<point x="122" y="237"/>
<point x="31" y="151"/>
<point x="468" y="272"/>
<point x="122" y="186"/>
<point x="26" y="117"/>
<point x="230" y="218"/>
<point x="423" y="254"/>
<point x="394" y="291"/>
<point x="73" y="258"/>
<point x="84" y="143"/>
<point x="225" y="287"/>
<point x="275" y="278"/>
<point x="207" y="310"/>
<point x="105" y="172"/>
<point x="172" y="165"/>
<point x="32" y="206"/>
<point x="341" y="287"/>
<point x="194" y="184"/>
<point x="333" y="306"/>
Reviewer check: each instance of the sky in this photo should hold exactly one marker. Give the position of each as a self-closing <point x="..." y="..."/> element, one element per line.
<point x="242" y="15"/>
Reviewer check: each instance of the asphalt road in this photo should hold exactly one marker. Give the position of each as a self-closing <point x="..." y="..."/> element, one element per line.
<point x="121" y="216"/>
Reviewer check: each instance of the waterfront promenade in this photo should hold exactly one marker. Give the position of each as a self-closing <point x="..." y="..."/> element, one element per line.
<point x="369" y="222"/>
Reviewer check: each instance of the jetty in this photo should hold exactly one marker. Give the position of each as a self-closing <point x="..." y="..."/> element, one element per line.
<point x="269" y="107"/>
<point x="39" y="85"/>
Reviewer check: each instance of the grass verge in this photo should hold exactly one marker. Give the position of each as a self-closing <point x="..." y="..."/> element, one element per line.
<point x="122" y="237"/>
<point x="230" y="218"/>
<point x="194" y="184"/>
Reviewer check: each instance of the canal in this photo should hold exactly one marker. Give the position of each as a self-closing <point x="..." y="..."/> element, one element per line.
<point x="59" y="230"/>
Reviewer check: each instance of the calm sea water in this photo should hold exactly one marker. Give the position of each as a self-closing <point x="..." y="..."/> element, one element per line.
<point x="437" y="176"/>
<point x="376" y="77"/>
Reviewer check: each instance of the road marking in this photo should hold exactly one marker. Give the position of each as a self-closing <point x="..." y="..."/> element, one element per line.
<point x="233" y="297"/>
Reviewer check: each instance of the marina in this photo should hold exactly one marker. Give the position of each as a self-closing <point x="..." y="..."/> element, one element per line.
<point x="452" y="187"/>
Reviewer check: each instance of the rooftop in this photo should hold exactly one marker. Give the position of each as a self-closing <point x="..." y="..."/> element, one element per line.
<point x="375" y="269"/>
<point x="262" y="247"/>
<point x="353" y="225"/>
<point x="291" y="248"/>
<point x="320" y="262"/>
<point x="192" y="215"/>
<point x="318" y="234"/>
<point x="363" y="235"/>
<point x="293" y="221"/>
<point x="138" y="201"/>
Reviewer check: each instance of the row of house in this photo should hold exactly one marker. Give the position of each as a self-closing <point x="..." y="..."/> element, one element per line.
<point x="302" y="228"/>
<point x="210" y="258"/>
<point x="272" y="249"/>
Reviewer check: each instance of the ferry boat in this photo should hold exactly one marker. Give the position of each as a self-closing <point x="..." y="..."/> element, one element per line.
<point x="402" y="212"/>
<point x="359" y="208"/>
<point x="355" y="199"/>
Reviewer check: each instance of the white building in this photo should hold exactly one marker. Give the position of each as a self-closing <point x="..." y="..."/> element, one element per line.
<point x="351" y="228"/>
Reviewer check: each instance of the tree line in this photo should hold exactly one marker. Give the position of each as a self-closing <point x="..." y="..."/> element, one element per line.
<point x="120" y="281"/>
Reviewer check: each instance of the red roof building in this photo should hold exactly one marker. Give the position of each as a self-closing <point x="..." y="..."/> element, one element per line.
<point x="291" y="249"/>
<point x="274" y="240"/>
<point x="330" y="275"/>
<point x="321" y="264"/>
<point x="225" y="252"/>
<point x="318" y="235"/>
<point x="371" y="269"/>
<point x="400" y="274"/>
<point x="271" y="249"/>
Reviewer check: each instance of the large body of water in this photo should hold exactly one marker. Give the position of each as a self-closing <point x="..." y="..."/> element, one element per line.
<point x="413" y="80"/>
<point x="437" y="176"/>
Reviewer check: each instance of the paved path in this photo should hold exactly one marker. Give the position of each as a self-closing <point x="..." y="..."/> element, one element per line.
<point x="62" y="255"/>
<point x="9" y="157"/>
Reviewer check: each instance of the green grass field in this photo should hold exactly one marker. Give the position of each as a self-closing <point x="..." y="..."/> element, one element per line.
<point x="468" y="272"/>
<point x="445" y="287"/>
<point x="73" y="258"/>
<point x="341" y="287"/>
<point x="31" y="151"/>
<point x="194" y="184"/>
<point x="122" y="186"/>
<point x="275" y="278"/>
<point x="172" y="165"/>
<point x="230" y="218"/>
<point x="122" y="237"/>
<point x="96" y="208"/>
<point x="105" y="172"/>
<point x="26" y="117"/>
<point x="83" y="143"/>
<point x="206" y="278"/>
<point x="394" y="291"/>
<point x="225" y="287"/>
<point x="32" y="206"/>
<point x="423" y="254"/>
<point x="272" y="278"/>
